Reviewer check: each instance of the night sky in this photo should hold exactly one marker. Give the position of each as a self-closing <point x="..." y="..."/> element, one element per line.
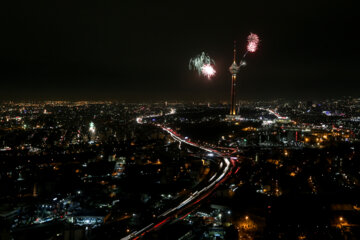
<point x="139" y="50"/>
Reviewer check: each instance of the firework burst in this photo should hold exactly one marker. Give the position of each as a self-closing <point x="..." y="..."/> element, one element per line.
<point x="202" y="63"/>
<point x="253" y="42"/>
<point x="208" y="71"/>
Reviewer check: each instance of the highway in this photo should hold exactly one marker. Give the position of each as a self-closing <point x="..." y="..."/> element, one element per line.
<point x="183" y="208"/>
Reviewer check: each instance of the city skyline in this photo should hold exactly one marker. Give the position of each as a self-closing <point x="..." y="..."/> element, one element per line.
<point x="102" y="170"/>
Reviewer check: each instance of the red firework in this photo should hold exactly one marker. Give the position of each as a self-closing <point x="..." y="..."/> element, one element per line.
<point x="253" y="42"/>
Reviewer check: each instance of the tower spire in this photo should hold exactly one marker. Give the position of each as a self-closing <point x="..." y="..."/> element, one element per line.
<point x="234" y="51"/>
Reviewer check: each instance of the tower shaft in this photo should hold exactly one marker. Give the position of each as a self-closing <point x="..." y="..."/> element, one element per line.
<point x="233" y="98"/>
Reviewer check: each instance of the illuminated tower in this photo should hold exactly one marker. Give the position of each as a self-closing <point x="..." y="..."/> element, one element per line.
<point x="92" y="131"/>
<point x="35" y="192"/>
<point x="234" y="69"/>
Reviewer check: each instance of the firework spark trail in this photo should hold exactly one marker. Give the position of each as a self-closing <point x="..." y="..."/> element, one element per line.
<point x="253" y="42"/>
<point x="197" y="63"/>
<point x="208" y="71"/>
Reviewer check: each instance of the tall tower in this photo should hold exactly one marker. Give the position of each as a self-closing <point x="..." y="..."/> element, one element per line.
<point x="234" y="69"/>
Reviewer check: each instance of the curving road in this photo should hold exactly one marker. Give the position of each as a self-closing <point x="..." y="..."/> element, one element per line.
<point x="225" y="169"/>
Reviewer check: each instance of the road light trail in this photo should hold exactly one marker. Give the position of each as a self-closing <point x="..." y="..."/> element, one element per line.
<point x="273" y="113"/>
<point x="224" y="171"/>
